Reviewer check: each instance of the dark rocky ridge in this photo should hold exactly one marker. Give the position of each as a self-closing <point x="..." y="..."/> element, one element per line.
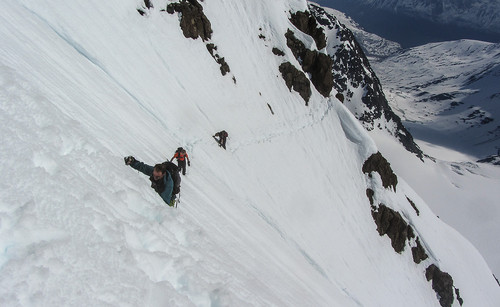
<point x="351" y="68"/>
<point x="418" y="252"/>
<point x="442" y="284"/>
<point x="306" y="23"/>
<point x="224" y="67"/>
<point x="193" y="21"/>
<point x="377" y="163"/>
<point x="391" y="223"/>
<point x="297" y="80"/>
<point x="316" y="63"/>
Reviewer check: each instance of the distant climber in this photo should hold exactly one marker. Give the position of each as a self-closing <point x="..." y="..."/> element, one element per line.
<point x="162" y="180"/>
<point x="181" y="156"/>
<point x="220" y="137"/>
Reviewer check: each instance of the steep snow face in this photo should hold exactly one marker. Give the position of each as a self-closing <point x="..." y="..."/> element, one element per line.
<point x="280" y="218"/>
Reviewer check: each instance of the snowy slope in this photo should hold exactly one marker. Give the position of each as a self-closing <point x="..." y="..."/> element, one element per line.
<point x="279" y="219"/>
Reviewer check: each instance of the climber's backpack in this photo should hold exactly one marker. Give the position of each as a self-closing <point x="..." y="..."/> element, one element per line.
<point x="174" y="173"/>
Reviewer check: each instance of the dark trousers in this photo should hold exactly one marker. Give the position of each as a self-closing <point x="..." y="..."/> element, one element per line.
<point x="222" y="142"/>
<point x="182" y="166"/>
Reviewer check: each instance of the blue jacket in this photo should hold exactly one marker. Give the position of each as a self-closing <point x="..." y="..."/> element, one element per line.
<point x="147" y="170"/>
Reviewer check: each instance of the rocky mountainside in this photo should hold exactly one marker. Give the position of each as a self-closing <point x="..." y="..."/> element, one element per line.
<point x="356" y="83"/>
<point x="374" y="46"/>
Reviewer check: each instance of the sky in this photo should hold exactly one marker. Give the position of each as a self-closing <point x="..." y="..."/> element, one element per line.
<point x="280" y="218"/>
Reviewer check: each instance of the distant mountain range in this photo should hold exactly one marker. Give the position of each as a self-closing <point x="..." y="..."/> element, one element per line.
<point x="412" y="22"/>
<point x="481" y="14"/>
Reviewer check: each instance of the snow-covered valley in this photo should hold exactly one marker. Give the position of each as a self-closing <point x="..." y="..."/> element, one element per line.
<point x="447" y="96"/>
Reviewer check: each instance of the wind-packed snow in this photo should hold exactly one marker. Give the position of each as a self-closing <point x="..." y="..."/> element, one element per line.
<point x="280" y="218"/>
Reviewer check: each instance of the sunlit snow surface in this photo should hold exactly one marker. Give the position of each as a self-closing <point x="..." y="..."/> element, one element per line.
<point x="279" y="219"/>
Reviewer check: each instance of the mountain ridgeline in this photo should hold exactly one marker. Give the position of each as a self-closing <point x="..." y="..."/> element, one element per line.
<point x="351" y="70"/>
<point x="344" y="68"/>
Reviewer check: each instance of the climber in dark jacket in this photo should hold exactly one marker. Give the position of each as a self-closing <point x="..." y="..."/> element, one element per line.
<point x="220" y="137"/>
<point x="161" y="181"/>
